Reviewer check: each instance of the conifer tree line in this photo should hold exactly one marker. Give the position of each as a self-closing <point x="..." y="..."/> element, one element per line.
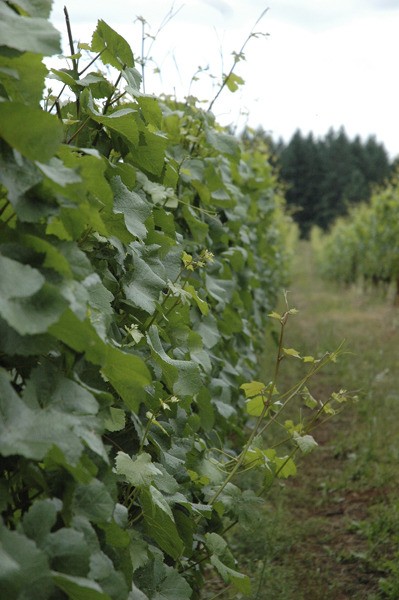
<point x="325" y="176"/>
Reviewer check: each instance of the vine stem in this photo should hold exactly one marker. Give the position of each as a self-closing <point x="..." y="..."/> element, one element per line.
<point x="74" y="60"/>
<point x="230" y="73"/>
<point x="266" y="405"/>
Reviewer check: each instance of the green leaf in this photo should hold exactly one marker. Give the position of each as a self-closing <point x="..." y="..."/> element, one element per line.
<point x="202" y="305"/>
<point x="253" y="388"/>
<point x="291" y="352"/>
<point x="233" y="82"/>
<point x="68" y="551"/>
<point x="143" y="286"/>
<point x="127" y="373"/>
<point x="58" y="172"/>
<point x="275" y="315"/>
<point x="133" y="207"/>
<point x="22" y="77"/>
<point x="138" y="472"/>
<point x="79" y="588"/>
<point x="35" y="314"/>
<point x="160" y="523"/>
<point x="223" y="142"/>
<point x="28" y="34"/>
<point x="36" y="8"/>
<point x="18" y="280"/>
<point x="114" y="48"/>
<point x="94" y="501"/>
<point x="121" y="121"/>
<point x="255" y="406"/>
<point x="116" y="420"/>
<point x="183" y="376"/>
<point x="240" y="581"/>
<point x="31" y="131"/>
<point x="40" y="518"/>
<point x="306" y="443"/>
<point x="32" y="432"/>
<point x="24" y="569"/>
<point x="161" y="582"/>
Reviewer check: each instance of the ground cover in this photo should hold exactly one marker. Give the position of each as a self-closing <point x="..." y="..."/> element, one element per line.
<point x="332" y="532"/>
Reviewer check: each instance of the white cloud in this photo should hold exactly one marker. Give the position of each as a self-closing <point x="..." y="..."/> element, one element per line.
<point x="327" y="63"/>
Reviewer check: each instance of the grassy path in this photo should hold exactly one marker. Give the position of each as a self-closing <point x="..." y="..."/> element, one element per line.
<point x="333" y="532"/>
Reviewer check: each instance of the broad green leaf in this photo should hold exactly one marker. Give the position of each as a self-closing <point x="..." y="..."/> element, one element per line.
<point x="33" y="432"/>
<point x="138" y="472"/>
<point x="68" y="551"/>
<point x="159" y="522"/>
<point x="215" y="543"/>
<point x="114" y="48"/>
<point x="161" y="582"/>
<point x="116" y="419"/>
<point x="18" y="175"/>
<point x="255" y="406"/>
<point x="35" y="314"/>
<point x="28" y="34"/>
<point x="240" y="581"/>
<point x="223" y="142"/>
<point x="183" y="376"/>
<point x="127" y="373"/>
<point x="143" y="286"/>
<point x="285" y="467"/>
<point x="220" y="289"/>
<point x="253" y="388"/>
<point x="30" y="130"/>
<point x="208" y="330"/>
<point x="13" y="343"/>
<point x="151" y="110"/>
<point x="79" y="588"/>
<point x="18" y="280"/>
<point x="58" y="172"/>
<point x="121" y="121"/>
<point x="306" y="443"/>
<point x="24" y="568"/>
<point x="133" y="207"/>
<point x="35" y="8"/>
<point x="94" y="501"/>
<point x="40" y="518"/>
<point x="22" y="77"/>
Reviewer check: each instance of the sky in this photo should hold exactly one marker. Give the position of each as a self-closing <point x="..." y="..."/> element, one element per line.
<point x="315" y="65"/>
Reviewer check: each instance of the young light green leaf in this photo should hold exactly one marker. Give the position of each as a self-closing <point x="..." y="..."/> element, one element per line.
<point x="291" y="352"/>
<point x="140" y="471"/>
<point x="253" y="388"/>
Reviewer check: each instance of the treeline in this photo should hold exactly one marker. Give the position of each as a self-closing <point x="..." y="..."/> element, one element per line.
<point x="324" y="177"/>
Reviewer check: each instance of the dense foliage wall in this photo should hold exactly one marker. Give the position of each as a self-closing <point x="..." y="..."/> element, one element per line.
<point x="141" y="249"/>
<point x="325" y="177"/>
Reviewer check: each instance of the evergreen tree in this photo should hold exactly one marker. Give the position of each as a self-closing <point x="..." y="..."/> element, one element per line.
<point x="325" y="177"/>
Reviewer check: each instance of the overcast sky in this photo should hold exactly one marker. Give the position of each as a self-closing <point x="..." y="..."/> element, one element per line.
<point x="323" y="64"/>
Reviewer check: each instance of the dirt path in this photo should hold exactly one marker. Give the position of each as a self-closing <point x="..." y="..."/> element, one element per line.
<point x="330" y="508"/>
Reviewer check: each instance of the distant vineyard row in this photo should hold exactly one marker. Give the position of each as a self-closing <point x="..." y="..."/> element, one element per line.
<point x="364" y="247"/>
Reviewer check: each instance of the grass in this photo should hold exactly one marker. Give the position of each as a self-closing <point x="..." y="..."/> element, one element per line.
<point x="332" y="532"/>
